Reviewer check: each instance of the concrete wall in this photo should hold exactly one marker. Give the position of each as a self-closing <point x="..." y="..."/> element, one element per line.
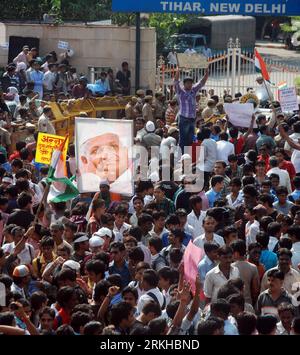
<point x="94" y="46"/>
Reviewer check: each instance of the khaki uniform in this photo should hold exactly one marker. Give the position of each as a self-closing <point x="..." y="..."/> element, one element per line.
<point x="158" y="109"/>
<point x="148" y="112"/>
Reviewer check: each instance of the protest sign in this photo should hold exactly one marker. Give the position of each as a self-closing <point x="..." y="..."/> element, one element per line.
<point x="103" y="149"/>
<point x="191" y="61"/>
<point x="63" y="45"/>
<point x="240" y="115"/>
<point x="46" y="143"/>
<point x="191" y="258"/>
<point x="288" y="99"/>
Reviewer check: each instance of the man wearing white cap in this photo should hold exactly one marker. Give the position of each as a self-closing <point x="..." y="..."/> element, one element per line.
<point x="104" y="156"/>
<point x="106" y="235"/>
<point x="81" y="247"/>
<point x="96" y="243"/>
<point x="150" y="139"/>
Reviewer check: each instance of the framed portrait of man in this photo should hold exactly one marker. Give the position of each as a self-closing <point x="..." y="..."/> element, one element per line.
<point x="103" y="153"/>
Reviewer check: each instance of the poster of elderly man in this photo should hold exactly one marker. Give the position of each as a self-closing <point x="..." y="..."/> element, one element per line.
<point x="103" y="153"/>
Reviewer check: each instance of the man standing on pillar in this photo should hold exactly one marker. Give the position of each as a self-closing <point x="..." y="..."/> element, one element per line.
<point x="187" y="107"/>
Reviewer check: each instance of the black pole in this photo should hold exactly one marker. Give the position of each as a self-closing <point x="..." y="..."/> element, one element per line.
<point x="137" y="49"/>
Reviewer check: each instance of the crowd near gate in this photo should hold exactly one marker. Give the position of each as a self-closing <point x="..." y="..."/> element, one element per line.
<point x="232" y="71"/>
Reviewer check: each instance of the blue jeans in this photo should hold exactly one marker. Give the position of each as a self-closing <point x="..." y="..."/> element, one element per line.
<point x="186" y="132"/>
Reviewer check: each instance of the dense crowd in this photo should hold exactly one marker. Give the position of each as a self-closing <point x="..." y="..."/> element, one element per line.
<point x="105" y="264"/>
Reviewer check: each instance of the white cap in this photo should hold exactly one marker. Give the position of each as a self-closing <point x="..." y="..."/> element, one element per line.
<point x="185" y="157"/>
<point x="89" y="128"/>
<point x="150" y="126"/>
<point x="71" y="264"/>
<point x="83" y="238"/>
<point x="103" y="232"/>
<point x="96" y="241"/>
<point x="8" y="180"/>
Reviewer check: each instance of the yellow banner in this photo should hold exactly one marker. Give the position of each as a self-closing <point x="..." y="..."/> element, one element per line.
<point x="46" y="144"/>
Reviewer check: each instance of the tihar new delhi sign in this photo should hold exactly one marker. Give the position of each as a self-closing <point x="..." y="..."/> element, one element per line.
<point x="215" y="7"/>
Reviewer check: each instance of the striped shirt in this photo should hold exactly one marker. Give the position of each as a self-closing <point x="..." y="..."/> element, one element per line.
<point x="187" y="98"/>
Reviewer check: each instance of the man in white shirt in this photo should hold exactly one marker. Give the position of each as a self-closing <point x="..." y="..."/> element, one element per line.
<point x="26" y="255"/>
<point x="224" y="148"/>
<point x="220" y="274"/>
<point x="168" y="145"/>
<point x="207" y="51"/>
<point x="150" y="282"/>
<point x="294" y="234"/>
<point x="50" y="77"/>
<point x="190" y="50"/>
<point x="295" y="137"/>
<point x="172" y="58"/>
<point x="209" y="225"/>
<point x="284" y="178"/>
<point x="196" y="217"/>
<point x="44" y="123"/>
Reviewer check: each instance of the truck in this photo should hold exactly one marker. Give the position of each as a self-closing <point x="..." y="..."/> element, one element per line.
<point x="215" y="32"/>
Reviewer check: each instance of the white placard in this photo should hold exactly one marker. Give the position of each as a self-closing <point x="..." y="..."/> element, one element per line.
<point x="240" y="115"/>
<point x="288" y="99"/>
<point x="63" y="45"/>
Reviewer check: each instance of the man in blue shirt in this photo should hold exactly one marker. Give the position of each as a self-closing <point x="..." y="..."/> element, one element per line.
<point x="119" y="265"/>
<point x="217" y="185"/>
<point x="267" y="257"/>
<point x="295" y="195"/>
<point x="172" y="223"/>
<point x="101" y="86"/>
<point x="209" y="260"/>
<point x="37" y="77"/>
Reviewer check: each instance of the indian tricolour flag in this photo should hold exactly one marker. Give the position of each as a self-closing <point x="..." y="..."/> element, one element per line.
<point x="61" y="189"/>
<point x="261" y="67"/>
<point x="282" y="85"/>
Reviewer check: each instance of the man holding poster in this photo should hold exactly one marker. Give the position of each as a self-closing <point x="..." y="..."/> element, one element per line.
<point x="102" y="152"/>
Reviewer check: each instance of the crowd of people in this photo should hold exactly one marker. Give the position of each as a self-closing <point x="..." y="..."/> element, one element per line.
<point x="103" y="264"/>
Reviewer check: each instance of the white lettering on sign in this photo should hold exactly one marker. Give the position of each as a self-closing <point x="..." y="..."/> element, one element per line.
<point x="177" y="6"/>
<point x="164" y="5"/>
<point x="187" y="7"/>
<point x="197" y="6"/>
<point x="225" y="8"/>
<point x="249" y="8"/>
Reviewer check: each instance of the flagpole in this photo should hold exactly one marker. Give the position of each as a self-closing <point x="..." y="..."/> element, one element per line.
<point x="44" y="199"/>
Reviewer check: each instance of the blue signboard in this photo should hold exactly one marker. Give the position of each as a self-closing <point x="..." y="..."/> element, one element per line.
<point x="215" y="7"/>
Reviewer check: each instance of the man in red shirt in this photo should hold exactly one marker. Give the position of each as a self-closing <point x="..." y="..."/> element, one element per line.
<point x="239" y="141"/>
<point x="264" y="155"/>
<point x="285" y="164"/>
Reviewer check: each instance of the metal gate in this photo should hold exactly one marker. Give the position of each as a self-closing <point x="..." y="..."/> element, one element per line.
<point x="232" y="71"/>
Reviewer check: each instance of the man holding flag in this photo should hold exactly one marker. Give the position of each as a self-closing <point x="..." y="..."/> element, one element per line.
<point x="263" y="92"/>
<point x="61" y="188"/>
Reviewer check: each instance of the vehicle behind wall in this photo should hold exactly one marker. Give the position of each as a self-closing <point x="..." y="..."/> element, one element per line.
<point x="215" y="31"/>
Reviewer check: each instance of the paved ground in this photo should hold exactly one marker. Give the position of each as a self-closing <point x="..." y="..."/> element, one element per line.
<point x="279" y="53"/>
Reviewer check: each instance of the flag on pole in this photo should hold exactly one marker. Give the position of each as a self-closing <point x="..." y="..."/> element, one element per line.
<point x="261" y="67"/>
<point x="282" y="85"/>
<point x="62" y="188"/>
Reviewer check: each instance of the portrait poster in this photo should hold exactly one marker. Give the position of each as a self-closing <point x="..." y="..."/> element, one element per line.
<point x="103" y="154"/>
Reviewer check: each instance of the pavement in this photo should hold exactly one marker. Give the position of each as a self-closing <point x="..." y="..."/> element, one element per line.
<point x="268" y="44"/>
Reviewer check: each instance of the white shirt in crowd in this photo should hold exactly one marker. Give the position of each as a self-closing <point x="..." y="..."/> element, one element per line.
<point x="296" y="255"/>
<point x="237" y="202"/>
<point x="25" y="256"/>
<point x="172" y="58"/>
<point x="199" y="242"/>
<point x="119" y="232"/>
<point x="215" y="279"/>
<point x="190" y="51"/>
<point x="224" y="149"/>
<point x="209" y="155"/>
<point x="44" y="125"/>
<point x="196" y="223"/>
<point x="251" y="231"/>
